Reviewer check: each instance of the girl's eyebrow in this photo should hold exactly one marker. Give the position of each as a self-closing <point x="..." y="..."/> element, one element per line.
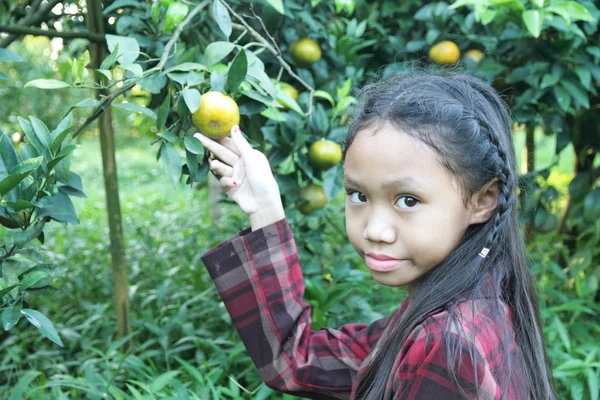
<point x="406" y="183"/>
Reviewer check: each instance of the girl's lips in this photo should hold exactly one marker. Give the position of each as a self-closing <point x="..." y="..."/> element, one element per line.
<point x="382" y="264"/>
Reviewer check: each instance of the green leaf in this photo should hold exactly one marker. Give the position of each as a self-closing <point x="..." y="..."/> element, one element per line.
<point x="549" y="80"/>
<point x="562" y="333"/>
<point x="126" y="48"/>
<point x="592" y="378"/>
<point x="216" y="51"/>
<point x="3" y="77"/>
<point x="60" y="137"/>
<point x="137" y="108"/>
<point x="6" y="290"/>
<point x="324" y="95"/>
<point x="217" y="81"/>
<point x="222" y="17"/>
<point x="17" y="174"/>
<point x="571" y="10"/>
<point x="110" y="60"/>
<point x="237" y="70"/>
<point x="20" y="205"/>
<point x="533" y="21"/>
<point x="42" y="132"/>
<point x="277" y="5"/>
<point x="585" y="76"/>
<point x="171" y="163"/>
<point x="168" y="136"/>
<point x="7" y="55"/>
<point x="562" y="97"/>
<point x="163" y="112"/>
<point x="60" y="156"/>
<point x="577" y="92"/>
<point x="47" y="84"/>
<point x="40" y="321"/>
<point x="191" y="98"/>
<point x="8" y="156"/>
<point x="32" y="278"/>
<point x="163" y="380"/>
<point x="253" y="94"/>
<point x="289" y="102"/>
<point x="188" y="66"/>
<point x="591" y="206"/>
<point x="11" y="316"/>
<point x="59" y="208"/>
<point x="176" y="12"/>
<point x="193" y="145"/>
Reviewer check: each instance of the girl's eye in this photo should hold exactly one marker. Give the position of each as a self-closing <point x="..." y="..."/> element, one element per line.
<point x="407" y="202"/>
<point x="357" y="197"/>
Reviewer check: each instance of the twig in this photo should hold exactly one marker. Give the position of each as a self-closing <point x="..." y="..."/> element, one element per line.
<point x="277" y="55"/>
<point x="173" y="40"/>
<point x="265" y="29"/>
<point x="102" y="106"/>
<point x="42" y="14"/>
<point x="25" y="30"/>
<point x="163" y="60"/>
<point x="9" y="253"/>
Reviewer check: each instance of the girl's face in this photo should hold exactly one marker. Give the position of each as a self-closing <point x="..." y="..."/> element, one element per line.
<point x="404" y="211"/>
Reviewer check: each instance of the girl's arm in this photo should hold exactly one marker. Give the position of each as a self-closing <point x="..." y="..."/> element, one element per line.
<point x="259" y="279"/>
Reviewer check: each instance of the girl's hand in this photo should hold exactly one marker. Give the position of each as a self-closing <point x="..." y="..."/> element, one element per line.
<point x="246" y="177"/>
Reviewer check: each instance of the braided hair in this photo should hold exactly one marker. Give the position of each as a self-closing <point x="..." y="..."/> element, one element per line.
<point x="468" y="126"/>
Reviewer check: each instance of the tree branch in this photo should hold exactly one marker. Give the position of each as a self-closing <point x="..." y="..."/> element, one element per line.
<point x="171" y="42"/>
<point x="42" y="14"/>
<point x="20" y="30"/>
<point x="273" y="51"/>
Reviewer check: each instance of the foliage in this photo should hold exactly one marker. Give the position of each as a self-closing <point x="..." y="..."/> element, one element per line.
<point x="36" y="186"/>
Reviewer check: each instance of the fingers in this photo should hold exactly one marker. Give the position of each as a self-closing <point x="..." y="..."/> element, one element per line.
<point x="227" y="183"/>
<point x="221" y="152"/>
<point x="220" y="168"/>
<point x="228" y="143"/>
<point x="240" y="142"/>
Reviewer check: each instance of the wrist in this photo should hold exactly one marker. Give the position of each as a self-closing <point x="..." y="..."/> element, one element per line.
<point x="266" y="216"/>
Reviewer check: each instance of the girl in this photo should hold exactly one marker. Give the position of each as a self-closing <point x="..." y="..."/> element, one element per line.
<point x="429" y="171"/>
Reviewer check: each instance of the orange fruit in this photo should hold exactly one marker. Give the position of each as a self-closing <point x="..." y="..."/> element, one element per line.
<point x="475" y="55"/>
<point x="217" y="114"/>
<point x="289" y="89"/>
<point x="312" y="198"/>
<point x="444" y="53"/>
<point x="324" y="154"/>
<point x="305" y="52"/>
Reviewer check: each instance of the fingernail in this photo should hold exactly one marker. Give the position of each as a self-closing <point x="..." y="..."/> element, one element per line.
<point x="235" y="129"/>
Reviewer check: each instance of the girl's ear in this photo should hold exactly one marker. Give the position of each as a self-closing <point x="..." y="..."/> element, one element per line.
<point x="484" y="202"/>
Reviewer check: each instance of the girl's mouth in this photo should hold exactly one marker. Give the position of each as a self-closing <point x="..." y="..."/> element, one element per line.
<point x="382" y="263"/>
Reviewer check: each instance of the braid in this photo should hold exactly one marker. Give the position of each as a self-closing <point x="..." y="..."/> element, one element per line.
<point x="506" y="197"/>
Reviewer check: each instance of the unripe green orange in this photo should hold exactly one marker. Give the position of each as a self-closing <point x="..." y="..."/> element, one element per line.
<point x="305" y="52"/>
<point x="324" y="154"/>
<point x="312" y="198"/>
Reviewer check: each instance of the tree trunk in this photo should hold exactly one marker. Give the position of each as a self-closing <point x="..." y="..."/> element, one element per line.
<point x="530" y="167"/>
<point x="107" y="143"/>
<point x="530" y="145"/>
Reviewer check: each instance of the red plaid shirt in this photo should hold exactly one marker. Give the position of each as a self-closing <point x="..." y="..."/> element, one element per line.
<point x="258" y="276"/>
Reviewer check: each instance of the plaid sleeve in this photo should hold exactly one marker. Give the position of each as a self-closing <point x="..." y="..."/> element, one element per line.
<point x="258" y="276"/>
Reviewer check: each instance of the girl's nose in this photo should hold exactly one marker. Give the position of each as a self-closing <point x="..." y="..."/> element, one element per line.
<point x="379" y="231"/>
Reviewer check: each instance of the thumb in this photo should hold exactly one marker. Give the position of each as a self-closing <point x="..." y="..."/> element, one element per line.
<point x="240" y="141"/>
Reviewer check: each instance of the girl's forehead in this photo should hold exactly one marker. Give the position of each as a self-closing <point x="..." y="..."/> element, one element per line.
<point x="384" y="154"/>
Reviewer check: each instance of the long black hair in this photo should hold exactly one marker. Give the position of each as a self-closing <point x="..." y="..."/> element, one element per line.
<point x="466" y="123"/>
